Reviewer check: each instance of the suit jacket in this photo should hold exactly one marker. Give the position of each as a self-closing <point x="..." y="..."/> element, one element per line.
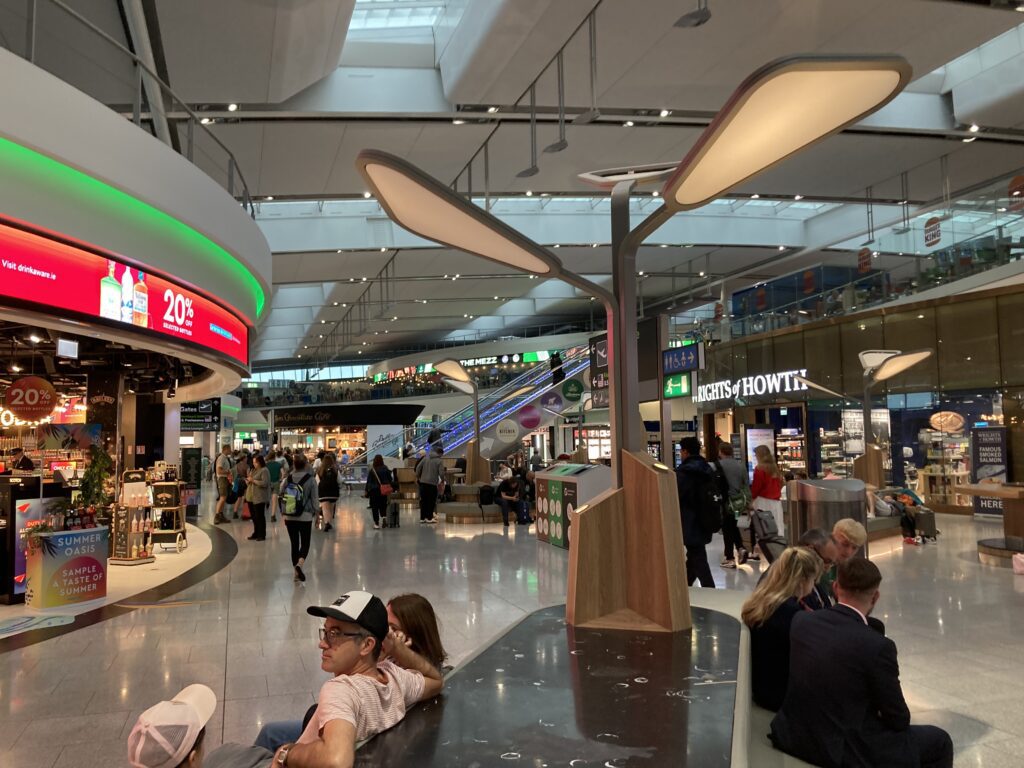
<point x="844" y="707"/>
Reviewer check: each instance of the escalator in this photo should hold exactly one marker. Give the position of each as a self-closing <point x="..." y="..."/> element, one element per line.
<point x="527" y="403"/>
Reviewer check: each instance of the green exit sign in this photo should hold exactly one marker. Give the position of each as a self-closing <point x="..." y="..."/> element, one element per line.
<point x="676" y="385"/>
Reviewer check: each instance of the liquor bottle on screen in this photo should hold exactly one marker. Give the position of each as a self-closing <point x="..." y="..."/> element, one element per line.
<point x="127" y="293"/>
<point x="140" y="303"/>
<point x="110" y="295"/>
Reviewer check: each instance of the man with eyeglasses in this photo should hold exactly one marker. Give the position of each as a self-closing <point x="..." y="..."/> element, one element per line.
<point x="822" y="543"/>
<point x="366" y="695"/>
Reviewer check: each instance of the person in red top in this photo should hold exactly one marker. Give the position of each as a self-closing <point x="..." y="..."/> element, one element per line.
<point x="766" y="487"/>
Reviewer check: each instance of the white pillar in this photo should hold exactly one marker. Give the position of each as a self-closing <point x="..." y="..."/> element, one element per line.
<point x="172" y="433"/>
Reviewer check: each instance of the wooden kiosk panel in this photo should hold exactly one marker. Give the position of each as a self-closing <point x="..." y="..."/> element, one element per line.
<point x="627" y="568"/>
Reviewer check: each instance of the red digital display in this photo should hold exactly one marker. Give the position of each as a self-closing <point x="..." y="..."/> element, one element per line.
<point x="40" y="270"/>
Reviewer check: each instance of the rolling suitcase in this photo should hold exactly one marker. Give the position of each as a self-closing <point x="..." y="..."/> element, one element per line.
<point x="391" y="519"/>
<point x="924" y="522"/>
<point x="766" y="534"/>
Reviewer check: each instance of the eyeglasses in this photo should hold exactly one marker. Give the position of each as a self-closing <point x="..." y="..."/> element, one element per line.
<point x="333" y="636"/>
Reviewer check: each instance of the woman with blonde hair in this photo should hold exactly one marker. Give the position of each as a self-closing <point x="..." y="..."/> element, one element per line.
<point x="769" y="612"/>
<point x="766" y="487"/>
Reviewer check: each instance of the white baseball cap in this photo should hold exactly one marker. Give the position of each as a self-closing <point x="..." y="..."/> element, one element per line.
<point x="165" y="733"/>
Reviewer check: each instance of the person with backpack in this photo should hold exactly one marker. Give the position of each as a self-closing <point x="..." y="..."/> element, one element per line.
<point x="736" y="492"/>
<point x="700" y="507"/>
<point x="379" y="486"/>
<point x="300" y="502"/>
<point x="328" y="489"/>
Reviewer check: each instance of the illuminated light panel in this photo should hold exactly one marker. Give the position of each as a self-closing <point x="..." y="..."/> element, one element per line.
<point x="18" y="160"/>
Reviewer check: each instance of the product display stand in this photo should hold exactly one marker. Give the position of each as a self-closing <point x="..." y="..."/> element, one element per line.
<point x="176" y="532"/>
<point x="126" y="540"/>
<point x="627" y="568"/>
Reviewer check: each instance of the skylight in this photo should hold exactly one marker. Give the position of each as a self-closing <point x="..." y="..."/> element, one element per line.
<point x="372" y="15"/>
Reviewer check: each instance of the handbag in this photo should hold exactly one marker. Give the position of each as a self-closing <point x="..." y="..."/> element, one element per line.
<point x="385" y="488"/>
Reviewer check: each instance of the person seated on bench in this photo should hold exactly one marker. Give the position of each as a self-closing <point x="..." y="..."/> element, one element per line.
<point x="504" y="472"/>
<point x="510" y="495"/>
<point x="368" y="694"/>
<point x="769" y="612"/>
<point x="414" y="617"/>
<point x="825" y="547"/>
<point x="844" y="707"/>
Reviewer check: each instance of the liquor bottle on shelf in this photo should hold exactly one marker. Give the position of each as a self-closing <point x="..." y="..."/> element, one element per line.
<point x="135" y="523"/>
<point x="135" y="551"/>
<point x="110" y="295"/>
<point x="127" y="294"/>
<point x="140" y="303"/>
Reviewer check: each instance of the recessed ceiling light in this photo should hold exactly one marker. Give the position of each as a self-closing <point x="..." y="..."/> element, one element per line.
<point x="456" y="277"/>
<point x="367" y="195"/>
<point x="338" y="251"/>
<point x="383" y="250"/>
<point x="628" y="124"/>
<point x="1000" y="210"/>
<point x="458" y="122"/>
<point x="269" y="197"/>
<point x="305" y="347"/>
<point x="545" y="194"/>
<point x="232" y="107"/>
<point x="974" y="128"/>
<point x="323" y="322"/>
<point x="495" y="298"/>
<point x="385" y="331"/>
<point x="782" y="247"/>
<point x="491" y="110"/>
<point x="15" y="368"/>
<point x="205" y="121"/>
<point x="755" y="196"/>
<point x="968" y="141"/>
<point x="465" y="315"/>
<point x="364" y="279"/>
<point x="874" y="254"/>
<point x="655" y="193"/>
<point x="798" y="197"/>
<point x="34" y="339"/>
<point x="665" y="113"/>
<point x="593" y="245"/>
<point x="359" y="351"/>
<point x="300" y="355"/>
<point x="641" y="273"/>
<point x="556" y="245"/>
<point x="529" y="193"/>
<point x="663" y="245"/>
<point x="321" y="335"/>
<point x="701" y="274"/>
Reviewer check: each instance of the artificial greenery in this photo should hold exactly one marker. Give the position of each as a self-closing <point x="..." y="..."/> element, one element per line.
<point x="100" y="467"/>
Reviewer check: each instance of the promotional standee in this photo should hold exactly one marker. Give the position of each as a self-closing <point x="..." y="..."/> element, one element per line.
<point x="561" y="490"/>
<point x="65" y="567"/>
<point x="989" y="462"/>
<point x="753" y="436"/>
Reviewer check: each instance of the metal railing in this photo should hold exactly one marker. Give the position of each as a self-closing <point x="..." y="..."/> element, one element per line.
<point x="163" y="105"/>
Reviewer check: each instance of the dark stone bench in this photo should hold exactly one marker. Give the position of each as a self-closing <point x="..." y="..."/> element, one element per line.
<point x="549" y="694"/>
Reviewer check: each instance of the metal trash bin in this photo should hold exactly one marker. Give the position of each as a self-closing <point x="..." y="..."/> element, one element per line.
<point x="821" y="503"/>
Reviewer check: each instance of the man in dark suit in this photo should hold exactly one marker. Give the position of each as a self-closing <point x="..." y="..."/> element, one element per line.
<point x="844" y="707"/>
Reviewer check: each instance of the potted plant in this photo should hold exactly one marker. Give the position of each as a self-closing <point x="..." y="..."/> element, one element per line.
<point x="93" y="479"/>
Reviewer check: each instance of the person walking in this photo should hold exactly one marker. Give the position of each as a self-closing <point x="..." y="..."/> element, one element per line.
<point x="329" y="489"/>
<point x="241" y="472"/>
<point x="693" y="475"/>
<point x="223" y="468"/>
<point x="259" y="495"/>
<point x="275" y="467"/>
<point x="738" y="499"/>
<point x="299" y="521"/>
<point x="376" y="480"/>
<point x="766" y="487"/>
<point x="429" y="473"/>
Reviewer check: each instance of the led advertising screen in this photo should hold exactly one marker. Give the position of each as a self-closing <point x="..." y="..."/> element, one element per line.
<point x="43" y="271"/>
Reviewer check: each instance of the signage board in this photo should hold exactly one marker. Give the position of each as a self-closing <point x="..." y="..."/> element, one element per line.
<point x="763" y="384"/>
<point x="201" y="416"/>
<point x="933" y="231"/>
<point x="864" y="260"/>
<point x="39" y="270"/>
<point x="599" y="379"/>
<point x="69" y="567"/>
<point x="756" y="435"/>
<point x="988" y="465"/>
<point x="676" y="385"/>
<point x="31" y="398"/>
<point x="683" y="359"/>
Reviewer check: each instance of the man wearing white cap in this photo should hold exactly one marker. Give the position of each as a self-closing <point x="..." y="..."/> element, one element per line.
<point x="170" y="734"/>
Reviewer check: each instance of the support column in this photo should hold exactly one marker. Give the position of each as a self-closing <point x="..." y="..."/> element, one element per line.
<point x="622" y="355"/>
<point x="172" y="432"/>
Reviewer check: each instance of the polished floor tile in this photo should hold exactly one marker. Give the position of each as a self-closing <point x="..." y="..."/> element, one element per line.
<point x="71" y="700"/>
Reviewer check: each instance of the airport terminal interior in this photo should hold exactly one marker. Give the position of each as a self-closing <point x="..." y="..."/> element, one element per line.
<point x="637" y="338"/>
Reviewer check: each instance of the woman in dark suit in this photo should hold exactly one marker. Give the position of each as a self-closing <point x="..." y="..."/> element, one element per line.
<point x="378" y="476"/>
<point x="769" y="612"/>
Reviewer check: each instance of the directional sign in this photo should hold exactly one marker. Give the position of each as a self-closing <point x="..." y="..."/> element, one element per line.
<point x="676" y="385"/>
<point x="683" y="359"/>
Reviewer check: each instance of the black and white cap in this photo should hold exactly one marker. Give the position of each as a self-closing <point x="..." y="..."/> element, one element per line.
<point x="362" y="608"/>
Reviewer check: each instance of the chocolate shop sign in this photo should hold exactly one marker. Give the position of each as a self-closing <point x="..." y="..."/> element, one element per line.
<point x="751" y="386"/>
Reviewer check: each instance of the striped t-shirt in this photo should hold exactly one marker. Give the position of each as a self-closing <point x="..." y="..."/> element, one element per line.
<point x="371" y="706"/>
